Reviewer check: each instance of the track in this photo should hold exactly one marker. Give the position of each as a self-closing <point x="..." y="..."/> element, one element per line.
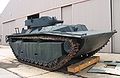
<point x="57" y="63"/>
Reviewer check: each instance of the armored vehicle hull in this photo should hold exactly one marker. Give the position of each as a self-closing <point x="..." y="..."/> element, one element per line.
<point x="51" y="47"/>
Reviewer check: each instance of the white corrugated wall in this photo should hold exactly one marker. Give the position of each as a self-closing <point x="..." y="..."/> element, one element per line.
<point x="116" y="25"/>
<point x="95" y="14"/>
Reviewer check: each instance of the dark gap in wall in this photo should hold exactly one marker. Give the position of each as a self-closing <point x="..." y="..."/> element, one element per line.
<point x="33" y="16"/>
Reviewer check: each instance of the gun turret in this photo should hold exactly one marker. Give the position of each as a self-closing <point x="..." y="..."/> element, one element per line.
<point x="42" y="22"/>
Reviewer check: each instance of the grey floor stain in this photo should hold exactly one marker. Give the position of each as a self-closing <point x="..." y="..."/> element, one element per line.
<point x="12" y="64"/>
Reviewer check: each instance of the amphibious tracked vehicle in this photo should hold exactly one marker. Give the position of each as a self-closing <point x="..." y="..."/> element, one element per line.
<point x="49" y="44"/>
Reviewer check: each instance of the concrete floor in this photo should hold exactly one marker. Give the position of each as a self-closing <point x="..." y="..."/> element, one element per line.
<point x="11" y="68"/>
